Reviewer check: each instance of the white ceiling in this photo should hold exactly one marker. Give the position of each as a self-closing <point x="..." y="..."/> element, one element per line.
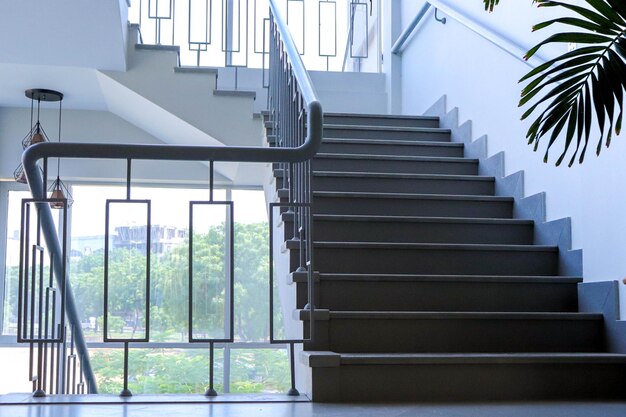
<point x="80" y="86"/>
<point x="59" y="45"/>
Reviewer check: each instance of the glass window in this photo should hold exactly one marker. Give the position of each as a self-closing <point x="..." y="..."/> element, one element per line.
<point x="257" y="368"/>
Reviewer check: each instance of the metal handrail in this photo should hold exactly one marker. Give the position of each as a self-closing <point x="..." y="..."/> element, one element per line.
<point x="43" y="151"/>
<point x="508" y="46"/>
<point x="399" y="44"/>
<point x="299" y="71"/>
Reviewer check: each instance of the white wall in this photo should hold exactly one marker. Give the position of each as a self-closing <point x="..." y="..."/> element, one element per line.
<point x="51" y="33"/>
<point x="481" y="80"/>
<point x="95" y="127"/>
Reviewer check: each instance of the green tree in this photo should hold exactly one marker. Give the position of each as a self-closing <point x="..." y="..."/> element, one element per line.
<point x="86" y="279"/>
<point x="251" y="288"/>
<point x="170" y="291"/>
<point x="127" y="286"/>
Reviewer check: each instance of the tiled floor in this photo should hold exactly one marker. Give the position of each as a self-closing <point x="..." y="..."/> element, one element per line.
<point x="144" y="406"/>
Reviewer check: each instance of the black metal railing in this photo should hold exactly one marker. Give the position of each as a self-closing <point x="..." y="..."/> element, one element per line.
<point x="288" y="125"/>
<point x="296" y="119"/>
<point x="53" y="364"/>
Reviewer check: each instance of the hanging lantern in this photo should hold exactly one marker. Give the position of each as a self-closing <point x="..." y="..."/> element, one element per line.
<point x="61" y="194"/>
<point x="36" y="133"/>
<point x="20" y="175"/>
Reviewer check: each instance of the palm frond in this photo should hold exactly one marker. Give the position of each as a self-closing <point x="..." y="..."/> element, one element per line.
<point x="490" y="4"/>
<point x="578" y="85"/>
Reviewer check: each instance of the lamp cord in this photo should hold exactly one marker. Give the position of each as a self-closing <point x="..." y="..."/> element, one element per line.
<point x="59" y="138"/>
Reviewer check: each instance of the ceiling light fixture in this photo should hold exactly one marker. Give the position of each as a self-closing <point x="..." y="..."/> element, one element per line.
<point x="58" y="190"/>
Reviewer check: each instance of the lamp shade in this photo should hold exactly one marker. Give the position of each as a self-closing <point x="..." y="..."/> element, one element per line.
<point x="60" y="195"/>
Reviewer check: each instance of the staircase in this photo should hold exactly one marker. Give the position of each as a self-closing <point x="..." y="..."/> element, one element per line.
<point x="427" y="288"/>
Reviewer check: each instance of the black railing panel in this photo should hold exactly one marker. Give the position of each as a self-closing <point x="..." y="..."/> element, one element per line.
<point x="296" y="121"/>
<point x="229" y="33"/>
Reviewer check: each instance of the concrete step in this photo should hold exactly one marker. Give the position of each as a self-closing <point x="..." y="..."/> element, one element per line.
<point x="196" y="70"/>
<point x="426" y="258"/>
<point x="380" y="120"/>
<point x="428" y="134"/>
<point x="396" y="204"/>
<point x="407" y="292"/>
<point x="403" y="183"/>
<point x="407" y="229"/>
<point x="454" y="332"/>
<point x="396" y="164"/>
<point x="351" y="377"/>
<point x="332" y="145"/>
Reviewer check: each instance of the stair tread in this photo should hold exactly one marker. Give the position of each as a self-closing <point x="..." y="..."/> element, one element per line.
<point x="408" y="196"/>
<point x="454" y="177"/>
<point x="477" y="358"/>
<point x="294" y="244"/>
<point x="442" y="278"/>
<point x="460" y="160"/>
<point x="235" y="93"/>
<point x="279" y="173"/>
<point x="420" y="219"/>
<point x="192" y="69"/>
<point x="414" y="219"/>
<point x="394" y="142"/>
<point x="330" y="126"/>
<point x="153" y="47"/>
<point x="458" y="315"/>
<point x="384" y="116"/>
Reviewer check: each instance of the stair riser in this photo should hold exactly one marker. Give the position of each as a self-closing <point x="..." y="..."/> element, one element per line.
<point x="403" y="185"/>
<point x="398" y="167"/>
<point x="466" y="382"/>
<point x="442" y="296"/>
<point x="419" y="232"/>
<point x="452" y="335"/>
<point x="380" y="121"/>
<point x="384" y="134"/>
<point x="410" y="207"/>
<point x="440" y="261"/>
<point x="398" y="150"/>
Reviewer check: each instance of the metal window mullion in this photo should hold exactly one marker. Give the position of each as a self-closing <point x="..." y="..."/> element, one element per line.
<point x="4" y="208"/>
<point x="173" y="13"/>
<point x="229" y="260"/>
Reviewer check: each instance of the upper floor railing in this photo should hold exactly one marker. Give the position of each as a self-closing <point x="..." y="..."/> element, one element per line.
<point x="330" y="35"/>
<point x="295" y="124"/>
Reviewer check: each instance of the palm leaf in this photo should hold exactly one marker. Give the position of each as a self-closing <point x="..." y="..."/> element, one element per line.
<point x="490" y="4"/>
<point x="580" y="84"/>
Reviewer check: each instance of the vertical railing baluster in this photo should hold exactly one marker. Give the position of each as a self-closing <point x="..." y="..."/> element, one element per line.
<point x="125" y="391"/>
<point x="229" y="322"/>
<point x="81" y="383"/>
<point x="210" y="392"/>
